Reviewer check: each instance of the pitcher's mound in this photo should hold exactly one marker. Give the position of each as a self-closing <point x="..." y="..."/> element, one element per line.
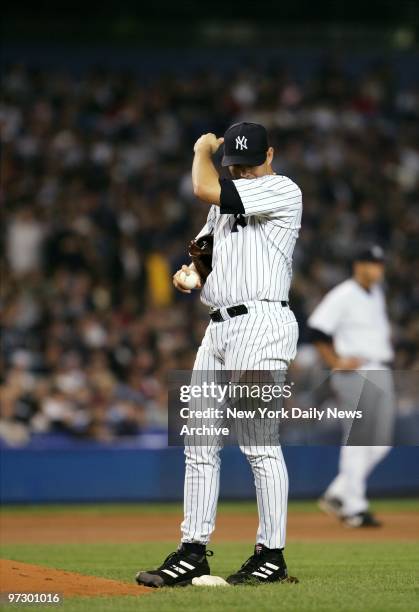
<point x="17" y="577"/>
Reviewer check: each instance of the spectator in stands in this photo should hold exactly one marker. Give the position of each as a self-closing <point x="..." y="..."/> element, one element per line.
<point x="97" y="193"/>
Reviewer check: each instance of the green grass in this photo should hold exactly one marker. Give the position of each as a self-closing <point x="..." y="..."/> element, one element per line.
<point x="245" y="507"/>
<point x="335" y="576"/>
<point x="364" y="577"/>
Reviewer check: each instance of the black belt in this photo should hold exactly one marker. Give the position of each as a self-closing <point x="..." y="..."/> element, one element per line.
<point x="234" y="311"/>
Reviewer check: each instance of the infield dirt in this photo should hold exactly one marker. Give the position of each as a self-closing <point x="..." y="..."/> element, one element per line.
<point x="302" y="526"/>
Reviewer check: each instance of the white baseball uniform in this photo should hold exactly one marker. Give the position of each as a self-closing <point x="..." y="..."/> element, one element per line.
<point x="255" y="230"/>
<point x="356" y="321"/>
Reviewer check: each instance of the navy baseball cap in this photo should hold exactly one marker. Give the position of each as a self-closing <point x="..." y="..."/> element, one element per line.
<point x="373" y="253"/>
<point x="245" y="144"/>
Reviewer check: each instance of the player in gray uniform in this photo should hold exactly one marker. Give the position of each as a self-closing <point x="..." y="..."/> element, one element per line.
<point x="351" y="330"/>
<point x="255" y="218"/>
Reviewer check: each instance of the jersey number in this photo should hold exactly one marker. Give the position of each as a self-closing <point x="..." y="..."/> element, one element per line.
<point x="240" y="221"/>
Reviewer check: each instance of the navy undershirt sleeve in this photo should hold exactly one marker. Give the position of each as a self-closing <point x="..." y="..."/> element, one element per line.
<point x="316" y="335"/>
<point x="230" y="201"/>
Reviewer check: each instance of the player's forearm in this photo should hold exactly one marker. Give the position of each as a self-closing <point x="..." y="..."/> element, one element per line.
<point x="334" y="361"/>
<point x="328" y="354"/>
<point x="205" y="178"/>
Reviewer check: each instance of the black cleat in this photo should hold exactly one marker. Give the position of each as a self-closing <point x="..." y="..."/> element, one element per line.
<point x="265" y="565"/>
<point x="331" y="505"/>
<point x="178" y="569"/>
<point x="362" y="519"/>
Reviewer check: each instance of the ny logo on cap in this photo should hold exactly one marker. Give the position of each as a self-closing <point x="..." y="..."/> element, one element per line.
<point x="241" y="141"/>
<point x="377" y="251"/>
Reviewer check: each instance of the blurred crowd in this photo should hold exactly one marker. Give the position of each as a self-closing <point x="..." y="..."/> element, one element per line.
<point x="98" y="210"/>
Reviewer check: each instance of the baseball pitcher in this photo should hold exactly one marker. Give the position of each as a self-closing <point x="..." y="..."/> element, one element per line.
<point x="252" y="226"/>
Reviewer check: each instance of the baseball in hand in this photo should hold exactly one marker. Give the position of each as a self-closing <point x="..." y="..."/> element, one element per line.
<point x="190" y="281"/>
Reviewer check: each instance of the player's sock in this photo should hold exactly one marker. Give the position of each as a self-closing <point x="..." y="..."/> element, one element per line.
<point x="193" y="548"/>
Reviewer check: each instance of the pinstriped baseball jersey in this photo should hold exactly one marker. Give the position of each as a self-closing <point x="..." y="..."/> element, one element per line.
<point x="255" y="230"/>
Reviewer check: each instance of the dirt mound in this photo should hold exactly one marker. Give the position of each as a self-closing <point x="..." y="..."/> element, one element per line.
<point x="17" y="577"/>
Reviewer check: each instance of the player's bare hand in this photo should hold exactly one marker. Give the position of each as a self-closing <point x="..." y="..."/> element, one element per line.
<point x="348" y="363"/>
<point x="208" y="142"/>
<point x="179" y="279"/>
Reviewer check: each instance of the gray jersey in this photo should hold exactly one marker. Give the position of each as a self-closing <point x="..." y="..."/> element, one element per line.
<point x="252" y="255"/>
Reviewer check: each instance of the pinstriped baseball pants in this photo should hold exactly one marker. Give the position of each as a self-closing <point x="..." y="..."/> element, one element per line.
<point x="264" y="339"/>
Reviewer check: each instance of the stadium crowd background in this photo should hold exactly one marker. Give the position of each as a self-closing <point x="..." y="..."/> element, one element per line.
<point x="98" y="211"/>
